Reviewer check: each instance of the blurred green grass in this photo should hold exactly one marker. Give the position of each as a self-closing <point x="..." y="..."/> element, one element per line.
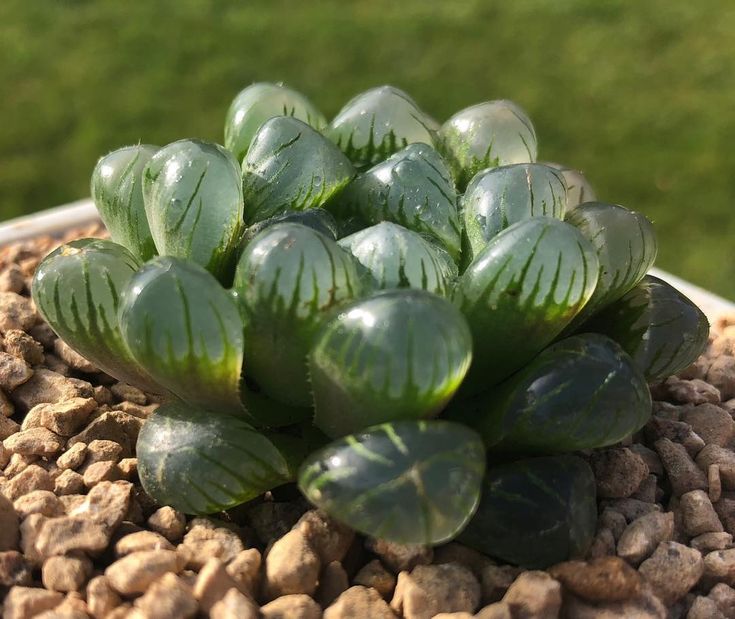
<point x="639" y="95"/>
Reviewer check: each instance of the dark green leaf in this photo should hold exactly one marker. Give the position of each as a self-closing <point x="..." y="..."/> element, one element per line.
<point x="316" y="218"/>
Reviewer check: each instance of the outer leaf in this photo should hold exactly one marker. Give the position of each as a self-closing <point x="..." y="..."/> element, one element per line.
<point x="487" y="135"/>
<point x="117" y="191"/>
<point x="535" y="512"/>
<point x="500" y="197"/>
<point x="658" y="326"/>
<point x="377" y="123"/>
<point x="289" y="278"/>
<point x="412" y="188"/>
<point x="520" y="292"/>
<point x="401" y="354"/>
<point x="411" y="482"/>
<point x="315" y="218"/>
<point x="291" y="167"/>
<point x="579" y="189"/>
<point x="583" y="392"/>
<point x="76" y="289"/>
<point x="186" y="331"/>
<point x="201" y="462"/>
<point x="396" y="257"/>
<point x="259" y="102"/>
<point x="193" y="199"/>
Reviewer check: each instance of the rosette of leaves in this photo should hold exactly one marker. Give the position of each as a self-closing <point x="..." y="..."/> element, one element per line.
<point x="380" y="369"/>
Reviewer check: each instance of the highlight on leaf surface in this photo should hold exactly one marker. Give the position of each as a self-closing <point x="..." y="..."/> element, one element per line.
<point x="400" y="354"/>
<point x="411" y="482"/>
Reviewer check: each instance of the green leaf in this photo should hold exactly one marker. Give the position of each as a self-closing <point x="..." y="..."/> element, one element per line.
<point x="265" y="412"/>
<point x="291" y="167"/>
<point x="316" y="218"/>
<point x="201" y="462"/>
<point x="260" y="102"/>
<point x="193" y="199"/>
<point x="117" y="191"/>
<point x="520" y="292"/>
<point x="658" y="326"/>
<point x="579" y="189"/>
<point x="401" y="354"/>
<point x="412" y="188"/>
<point x="186" y="331"/>
<point x="289" y="278"/>
<point x="410" y="482"/>
<point x="535" y="512"/>
<point x="500" y="197"/>
<point x="396" y="257"/>
<point x="377" y="123"/>
<point x="487" y="135"/>
<point x="76" y="289"/>
<point x="582" y="392"/>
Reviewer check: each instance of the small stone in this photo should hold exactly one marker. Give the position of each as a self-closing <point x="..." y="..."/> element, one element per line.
<point x="68" y="482"/>
<point x="495" y="581"/>
<point x="113" y="426"/>
<point x="707" y="542"/>
<point x="55" y="364"/>
<point x="21" y="345"/>
<point x="618" y="472"/>
<point x="714" y="482"/>
<point x="128" y="467"/>
<point x="704" y="608"/>
<point x="608" y="579"/>
<point x="8" y="427"/>
<point x="34" y="442"/>
<point x="73" y="359"/>
<point x="46" y="386"/>
<point x="33" y="477"/>
<point x="29" y="531"/>
<point x="698" y="514"/>
<point x="13" y="372"/>
<point x="14" y="569"/>
<point x="205" y="541"/>
<point x="724" y="596"/>
<point x="293" y="606"/>
<point x="245" y="571"/>
<point x="694" y="391"/>
<point x="12" y="279"/>
<point x="534" y="594"/>
<point x="291" y="566"/>
<point x="101" y="450"/>
<point x="498" y="610"/>
<point x="101" y="471"/>
<point x="374" y="575"/>
<point x="73" y="457"/>
<point x="330" y="539"/>
<point x="44" y="334"/>
<point x="725" y="509"/>
<point x="38" y="502"/>
<point x="642" y="536"/>
<point x="136" y="410"/>
<point x="645" y="606"/>
<point x="102" y="395"/>
<point x="64" y="418"/>
<point x="332" y="583"/>
<point x="212" y="584"/>
<point x="141" y="540"/>
<point x="66" y="573"/>
<point x="168" y="598"/>
<point x="16" y="312"/>
<point x="135" y="572"/>
<point x="123" y="391"/>
<point x="612" y="520"/>
<point x="721" y="374"/>
<point x="719" y="566"/>
<point x="168" y="522"/>
<point x="676" y="431"/>
<point x="603" y="545"/>
<point x="27" y="602"/>
<point x="18" y="463"/>
<point x="359" y="601"/>
<point x="235" y="605"/>
<point x="400" y="557"/>
<point x="58" y="536"/>
<point x="101" y="597"/>
<point x="672" y="570"/>
<point x="107" y="503"/>
<point x="725" y="458"/>
<point x="271" y="520"/>
<point x="454" y="552"/>
<point x="712" y="423"/>
<point x="461" y="615"/>
<point x="9" y="530"/>
<point x="6" y="407"/>
<point x="683" y="473"/>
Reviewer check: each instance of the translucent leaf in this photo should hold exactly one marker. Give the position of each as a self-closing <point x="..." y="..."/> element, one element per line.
<point x="487" y="135"/>
<point x="579" y="189"/>
<point x="76" y="289"/>
<point x="316" y="218"/>
<point x="658" y="326"/>
<point x="401" y="354"/>
<point x="200" y="462"/>
<point x="117" y="191"/>
<point x="260" y="102"/>
<point x="291" y="167"/>
<point x="377" y="123"/>
<point x="410" y="482"/>
<point x="396" y="257"/>
<point x="193" y="199"/>
<point x="535" y="512"/>
<point x="520" y="292"/>
<point x="500" y="197"/>
<point x="288" y="279"/>
<point x="186" y="331"/>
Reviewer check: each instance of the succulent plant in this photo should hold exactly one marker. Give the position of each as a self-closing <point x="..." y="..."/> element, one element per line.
<point x="317" y="303"/>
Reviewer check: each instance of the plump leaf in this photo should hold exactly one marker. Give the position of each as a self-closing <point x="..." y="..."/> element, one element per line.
<point x="412" y="188"/>
<point x="499" y="197"/>
<point x="186" y="331"/>
<point x="117" y="191"/>
<point x="193" y="199"/>
<point x="657" y="325"/>
<point x="582" y="392"/>
<point x="288" y="279"/>
<point x="520" y="292"/>
<point x="535" y="512"/>
<point x="260" y="102"/>
<point x="377" y="123"/>
<point x="626" y="247"/>
<point x="398" y="355"/>
<point x="411" y="482"/>
<point x="200" y="461"/>
<point x="76" y="289"/>
<point x="579" y="189"/>
<point x="291" y="167"/>
<point x="396" y="257"/>
<point x="487" y="135"/>
<point x="316" y="218"/>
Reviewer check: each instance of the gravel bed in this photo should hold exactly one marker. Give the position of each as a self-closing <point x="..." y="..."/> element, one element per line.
<point x="79" y="538"/>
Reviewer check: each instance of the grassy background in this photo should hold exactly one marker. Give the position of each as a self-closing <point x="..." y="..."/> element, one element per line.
<point x="640" y="95"/>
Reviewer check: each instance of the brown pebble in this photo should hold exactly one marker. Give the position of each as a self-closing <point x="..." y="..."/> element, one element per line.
<point x="235" y="605"/>
<point x="38" y="502"/>
<point x="618" y="472"/>
<point x="34" y="442"/>
<point x="100" y="450"/>
<point x="712" y="423"/>
<point x="212" y="584"/>
<point x="73" y="359"/>
<point x="714" y="482"/>
<point x="333" y="581"/>
<point x="694" y="391"/>
<point x="21" y="345"/>
<point x="676" y="431"/>
<point x="27" y="602"/>
<point x="68" y="482"/>
<point x="12" y="279"/>
<point x="66" y="573"/>
<point x="725" y="458"/>
<point x="13" y="372"/>
<point x="63" y="418"/>
<point x="698" y="514"/>
<point x="107" y="503"/>
<point x="205" y="540"/>
<point x="359" y="601"/>
<point x="454" y="552"/>
<point x="291" y="566"/>
<point x="123" y="391"/>
<point x="612" y="520"/>
<point x="16" y="312"/>
<point x="374" y="575"/>
<point x="293" y="606"/>
<point x="498" y="610"/>
<point x="672" y="570"/>
<point x="707" y="542"/>
<point x="400" y="557"/>
<point x="106" y="470"/>
<point x="603" y="544"/>
<point x="495" y="581"/>
<point x="101" y="597"/>
<point x="14" y="569"/>
<point x="8" y="427"/>
<point x="9" y="528"/>
<point x="73" y="457"/>
<point x="141" y="540"/>
<point x="683" y="473"/>
<point x="245" y="570"/>
<point x="724" y="596"/>
<point x="607" y="579"/>
<point x="719" y="566"/>
<point x="136" y="571"/>
<point x="6" y="408"/>
<point x="168" y="598"/>
<point x="58" y="536"/>
<point x="721" y="374"/>
<point x="46" y="386"/>
<point x="534" y="594"/>
<point x="642" y="536"/>
<point x="329" y="538"/>
<point x="168" y="522"/>
<point x="33" y="477"/>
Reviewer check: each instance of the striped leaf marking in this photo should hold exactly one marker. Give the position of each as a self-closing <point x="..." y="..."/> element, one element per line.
<point x="77" y="289"/>
<point x="186" y="331"/>
<point x="520" y="292"/>
<point x="291" y="167"/>
<point x="400" y="354"/>
<point x="317" y="218"/>
<point x="117" y="191"/>
<point x="535" y="512"/>
<point x="579" y="189"/>
<point x="411" y="482"/>
<point x="377" y="123"/>
<point x="201" y="462"/>
<point x="193" y="200"/>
